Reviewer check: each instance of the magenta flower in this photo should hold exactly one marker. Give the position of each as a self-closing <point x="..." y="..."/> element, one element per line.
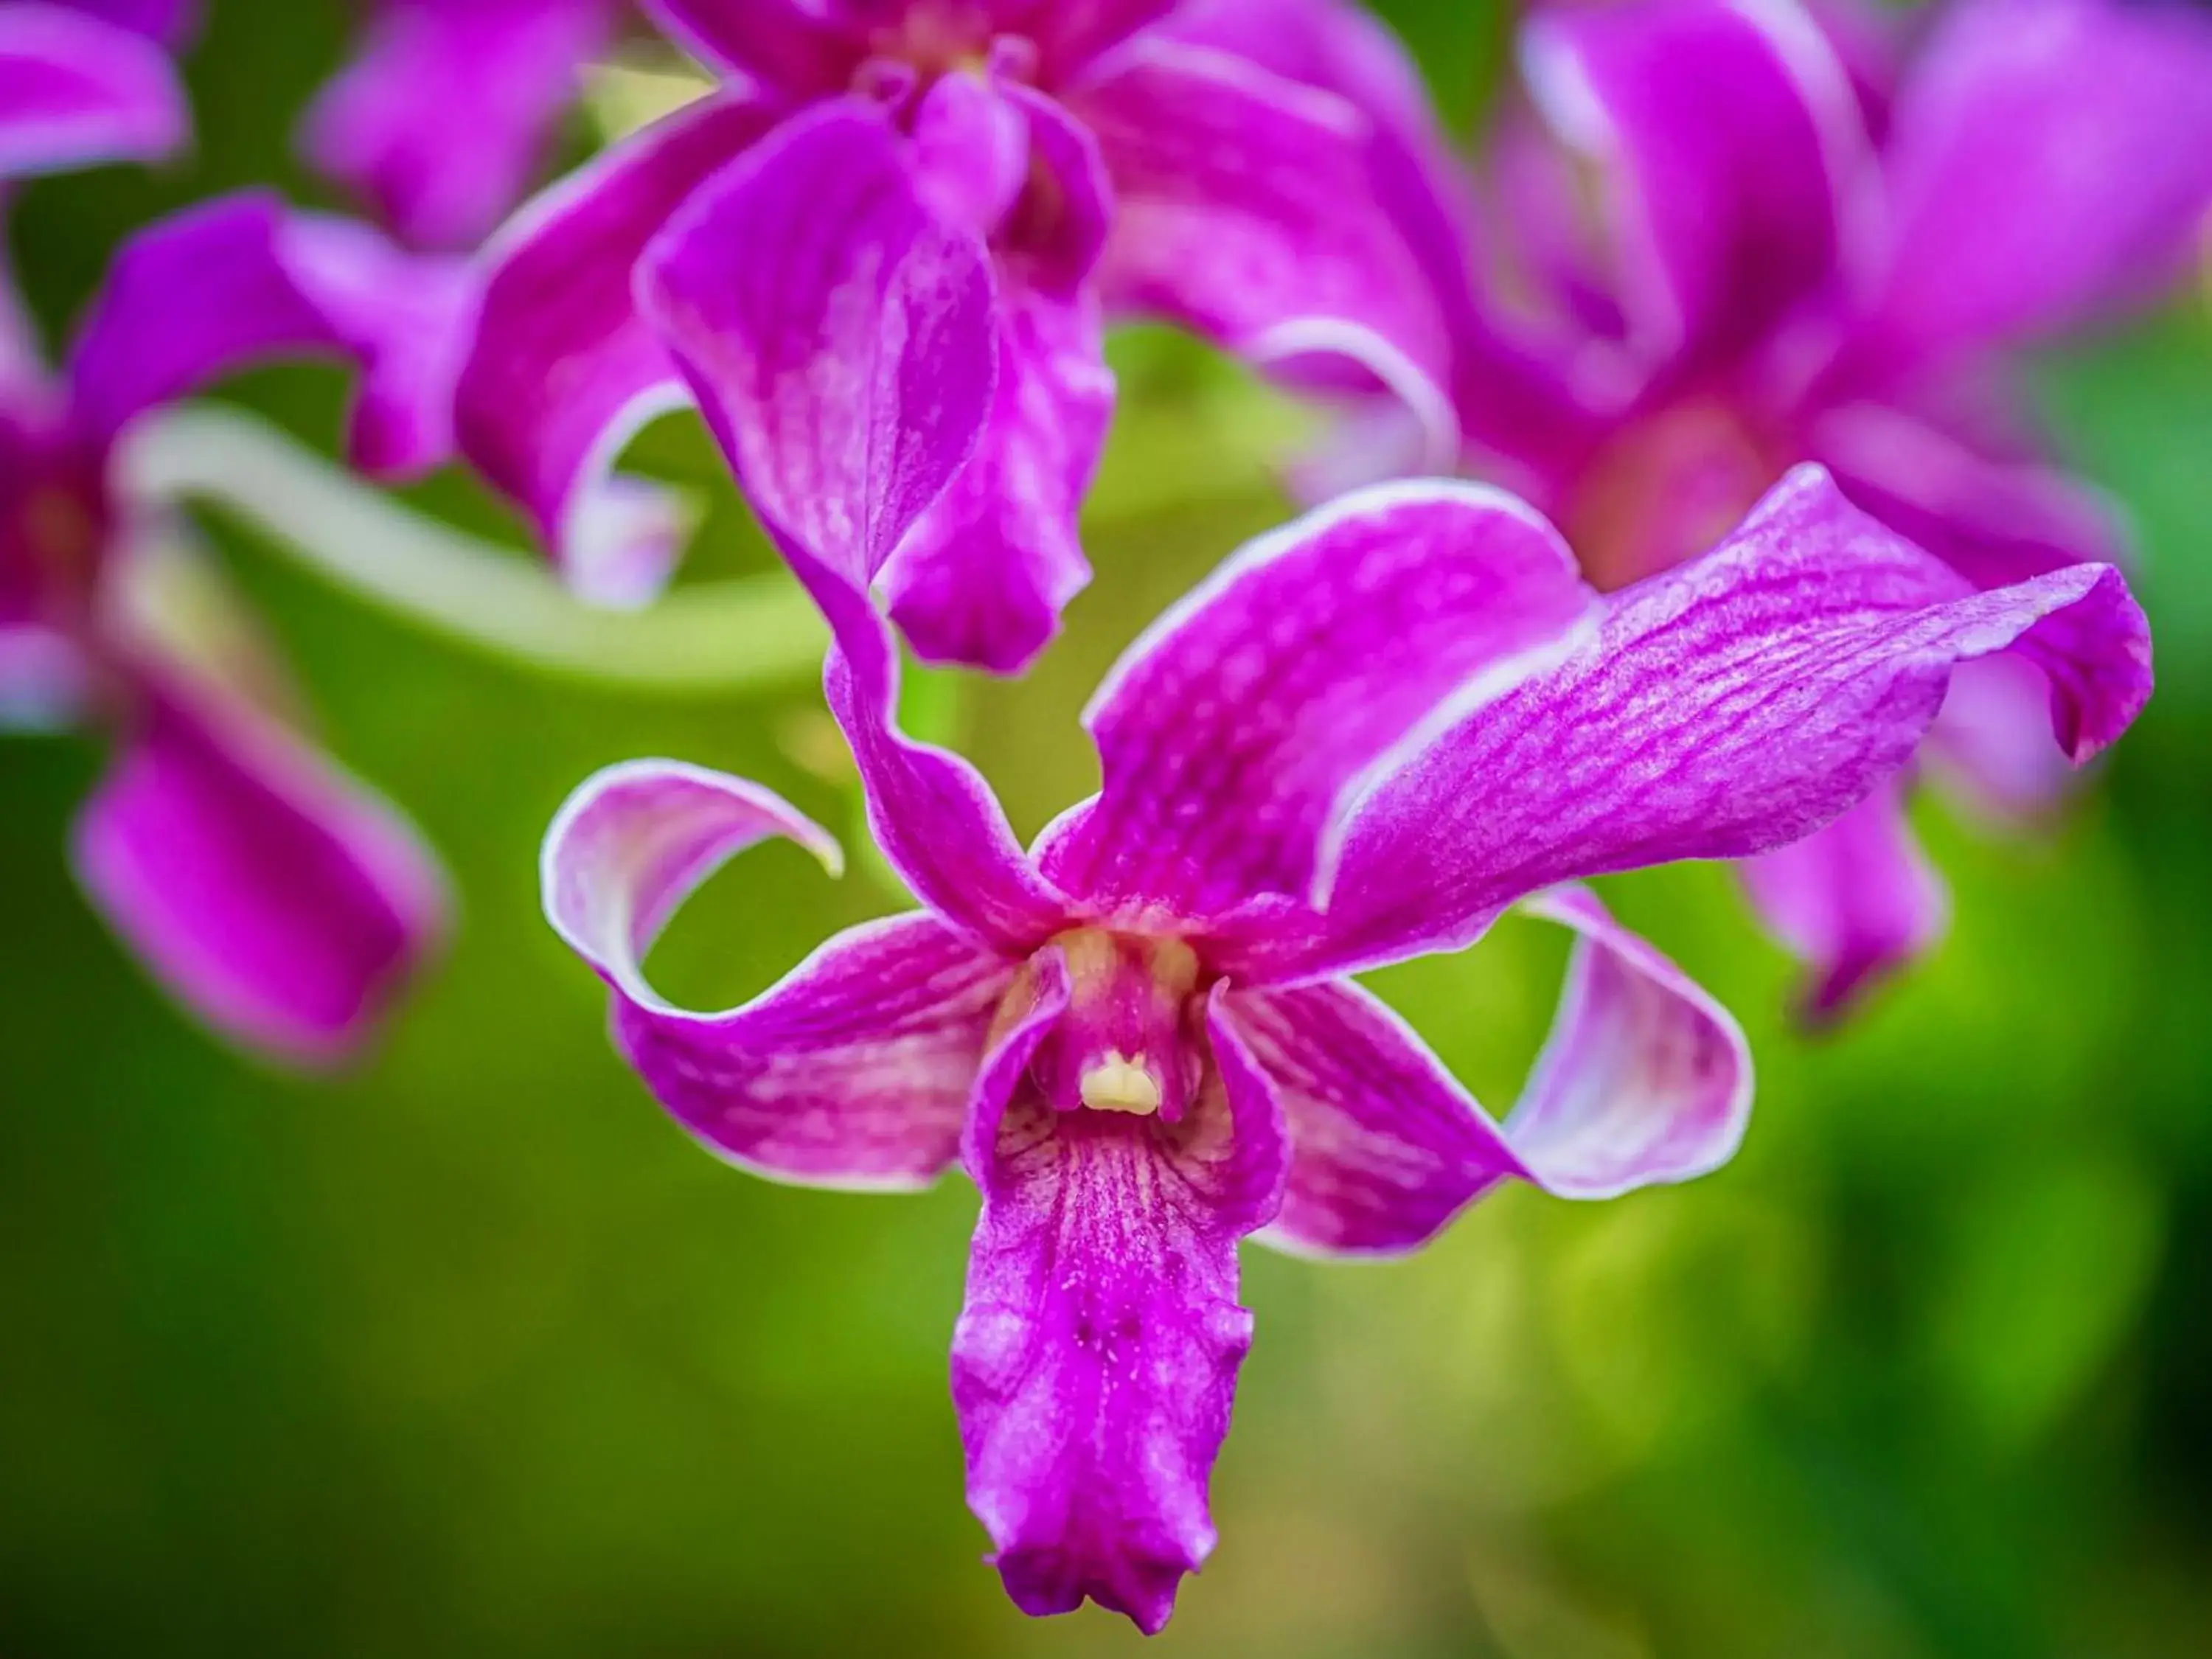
<point x="84" y="84"/>
<point x="1802" y="252"/>
<point x="443" y="119"/>
<point x="268" y="891"/>
<point x="1361" y="740"/>
<point x="1073" y="152"/>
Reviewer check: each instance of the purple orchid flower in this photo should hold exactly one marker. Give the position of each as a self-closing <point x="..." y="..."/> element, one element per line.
<point x="1361" y="740"/>
<point x="1077" y="152"/>
<point x="268" y="891"/>
<point x="442" y="119"/>
<point x="1808" y="247"/>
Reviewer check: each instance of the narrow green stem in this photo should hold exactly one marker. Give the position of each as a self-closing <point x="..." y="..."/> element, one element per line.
<point x="719" y="638"/>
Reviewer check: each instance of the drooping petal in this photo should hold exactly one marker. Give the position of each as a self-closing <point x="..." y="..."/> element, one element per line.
<point x="838" y="335"/>
<point x="1226" y="731"/>
<point x="1243" y="203"/>
<point x="1993" y="519"/>
<point x="855" y="1070"/>
<point x="1728" y="134"/>
<point x="787" y="44"/>
<point x="564" y="371"/>
<point x="75" y="92"/>
<point x="2051" y="160"/>
<point x="1726" y="708"/>
<point x="447" y="110"/>
<point x="984" y="576"/>
<point x="1645" y="1079"/>
<point x="271" y="894"/>
<point x="1853" y="902"/>
<point x="1095" y="1362"/>
<point x="242" y="279"/>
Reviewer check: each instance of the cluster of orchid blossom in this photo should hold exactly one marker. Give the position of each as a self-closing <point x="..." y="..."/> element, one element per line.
<point x="1724" y="298"/>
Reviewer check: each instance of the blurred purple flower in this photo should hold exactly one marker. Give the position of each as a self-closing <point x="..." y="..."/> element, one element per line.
<point x="1361" y="740"/>
<point x="1075" y="152"/>
<point x="443" y="119"/>
<point x="78" y="89"/>
<point x="1714" y="271"/>
<point x="269" y="891"/>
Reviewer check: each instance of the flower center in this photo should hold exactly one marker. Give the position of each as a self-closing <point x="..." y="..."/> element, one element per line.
<point x="1129" y="1041"/>
<point x="1668" y="488"/>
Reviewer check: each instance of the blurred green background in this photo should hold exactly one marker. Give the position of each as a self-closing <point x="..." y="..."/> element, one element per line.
<point x="473" y="1353"/>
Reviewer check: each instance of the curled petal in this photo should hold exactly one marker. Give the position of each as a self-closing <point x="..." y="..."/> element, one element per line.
<point x="855" y="1070"/>
<point x="563" y="371"/>
<point x="838" y="335"/>
<point x="1728" y="133"/>
<point x="1645" y="1079"/>
<point x="1243" y="202"/>
<point x="1726" y="708"/>
<point x="243" y="279"/>
<point x="75" y="92"/>
<point x="1095" y="1362"/>
<point x="1853" y="902"/>
<point x="1226" y="731"/>
<point x="447" y="110"/>
<point x="982" y="577"/>
<point x="2049" y="161"/>
<point x="269" y="894"/>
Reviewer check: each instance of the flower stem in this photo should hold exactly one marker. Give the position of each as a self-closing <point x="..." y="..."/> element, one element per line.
<point x="717" y="638"/>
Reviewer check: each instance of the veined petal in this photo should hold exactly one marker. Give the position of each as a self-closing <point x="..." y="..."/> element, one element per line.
<point x="1853" y="902"/>
<point x="839" y="335"/>
<point x="441" y="120"/>
<point x="1645" y="1079"/>
<point x="242" y="279"/>
<point x="1729" y="134"/>
<point x="855" y="1070"/>
<point x="1993" y="519"/>
<point x="564" y="371"/>
<point x="788" y="45"/>
<point x="270" y="893"/>
<point x="1243" y="202"/>
<point x="75" y="92"/>
<point x="983" y="575"/>
<point x="2049" y="159"/>
<point x="1095" y="1362"/>
<point x="1727" y="707"/>
<point x="1227" y="731"/>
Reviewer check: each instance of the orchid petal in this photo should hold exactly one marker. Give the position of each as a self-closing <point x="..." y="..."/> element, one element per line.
<point x="1729" y="133"/>
<point x="1853" y="902"/>
<point x="75" y="92"/>
<point x="242" y="279"/>
<point x="855" y="1070"/>
<point x="1726" y="708"/>
<point x="982" y="577"/>
<point x="167" y="21"/>
<point x="446" y="111"/>
<point x="1096" y="1358"/>
<point x="1645" y="1079"/>
<point x="787" y="44"/>
<point x="564" y="371"/>
<point x="2051" y="160"/>
<point x="270" y="893"/>
<point x="1227" y="731"/>
<point x="1243" y="203"/>
<point x="1991" y="744"/>
<point x="838" y="334"/>
<point x="1070" y="34"/>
